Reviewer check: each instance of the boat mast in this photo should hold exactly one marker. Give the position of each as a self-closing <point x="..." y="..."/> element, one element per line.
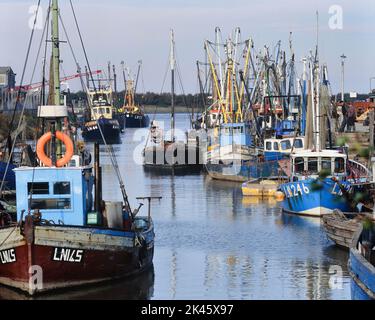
<point x="124" y="76"/>
<point x="172" y="62"/>
<point x="56" y="66"/>
<point x="317" y="83"/>
<point x="55" y="52"/>
<point x="218" y="36"/>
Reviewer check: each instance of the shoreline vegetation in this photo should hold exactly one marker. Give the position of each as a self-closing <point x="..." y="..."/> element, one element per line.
<point x="168" y="109"/>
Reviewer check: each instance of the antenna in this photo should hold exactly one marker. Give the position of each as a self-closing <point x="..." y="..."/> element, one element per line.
<point x="317" y="36"/>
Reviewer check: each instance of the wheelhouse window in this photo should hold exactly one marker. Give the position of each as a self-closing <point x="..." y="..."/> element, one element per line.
<point x="276" y="146"/>
<point x="38" y="188"/>
<point x="51" y="204"/>
<point x="312" y="165"/>
<point x="298" y="143"/>
<point x="299" y="165"/>
<point x="326" y="165"/>
<point x="339" y="165"/>
<point x="61" y="188"/>
<point x="285" y="145"/>
<point x="268" y="145"/>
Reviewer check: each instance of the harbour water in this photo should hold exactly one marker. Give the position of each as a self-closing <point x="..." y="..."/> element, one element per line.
<point x="212" y="243"/>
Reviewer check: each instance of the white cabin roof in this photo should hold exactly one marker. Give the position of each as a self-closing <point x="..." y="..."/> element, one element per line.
<point x="323" y="153"/>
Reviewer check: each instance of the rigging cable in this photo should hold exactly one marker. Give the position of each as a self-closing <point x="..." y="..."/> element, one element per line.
<point x="109" y="149"/>
<point x="18" y="98"/>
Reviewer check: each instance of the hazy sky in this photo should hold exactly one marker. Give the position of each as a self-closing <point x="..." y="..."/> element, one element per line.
<point x="130" y="30"/>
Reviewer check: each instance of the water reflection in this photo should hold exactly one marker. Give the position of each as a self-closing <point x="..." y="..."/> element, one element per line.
<point x="213" y="243"/>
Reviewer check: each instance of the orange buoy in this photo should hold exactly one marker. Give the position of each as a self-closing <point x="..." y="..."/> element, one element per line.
<point x="44" y="139"/>
<point x="279" y="195"/>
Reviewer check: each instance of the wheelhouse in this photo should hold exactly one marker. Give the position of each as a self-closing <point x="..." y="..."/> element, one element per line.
<point x="63" y="195"/>
<point x="102" y="112"/>
<point x="276" y="148"/>
<point x="101" y="101"/>
<point x="306" y="164"/>
<point x="235" y="133"/>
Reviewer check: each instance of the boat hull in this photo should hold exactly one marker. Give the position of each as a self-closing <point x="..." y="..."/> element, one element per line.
<point x="63" y="257"/>
<point x="177" y="157"/>
<point x="312" y="198"/>
<point x="243" y="171"/>
<point x="110" y="129"/>
<point x="363" y="275"/>
<point x="9" y="177"/>
<point x="136" y="120"/>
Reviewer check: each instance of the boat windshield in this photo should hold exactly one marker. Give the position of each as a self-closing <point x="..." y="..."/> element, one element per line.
<point x="299" y="165"/>
<point x="286" y="145"/>
<point x="326" y="165"/>
<point x="298" y="143"/>
<point x="339" y="165"/>
<point x="312" y="165"/>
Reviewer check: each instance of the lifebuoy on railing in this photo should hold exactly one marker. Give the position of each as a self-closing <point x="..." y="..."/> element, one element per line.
<point x="44" y="139"/>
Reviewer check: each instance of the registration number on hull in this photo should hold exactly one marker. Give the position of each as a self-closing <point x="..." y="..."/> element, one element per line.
<point x="8" y="256"/>
<point x="67" y="255"/>
<point x="294" y="190"/>
<point x="298" y="189"/>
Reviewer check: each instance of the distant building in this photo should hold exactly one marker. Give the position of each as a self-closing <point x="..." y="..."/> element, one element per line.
<point x="7" y="85"/>
<point x="7" y="78"/>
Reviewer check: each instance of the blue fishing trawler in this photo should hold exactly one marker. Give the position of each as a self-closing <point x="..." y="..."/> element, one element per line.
<point x="310" y="194"/>
<point x="235" y="158"/>
<point x="321" y="179"/>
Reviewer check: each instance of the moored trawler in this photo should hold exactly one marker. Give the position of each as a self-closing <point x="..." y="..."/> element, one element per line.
<point x="306" y="193"/>
<point x="133" y="118"/>
<point x="102" y="113"/>
<point x="65" y="233"/>
<point x="171" y="156"/>
<point x="321" y="179"/>
<point x="64" y="236"/>
<point x="131" y="115"/>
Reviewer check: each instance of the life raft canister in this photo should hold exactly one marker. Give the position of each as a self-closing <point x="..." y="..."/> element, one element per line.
<point x="44" y="139"/>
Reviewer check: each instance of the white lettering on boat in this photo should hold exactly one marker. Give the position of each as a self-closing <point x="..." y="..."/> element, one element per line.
<point x="7" y="256"/>
<point x="67" y="255"/>
<point x="295" y="190"/>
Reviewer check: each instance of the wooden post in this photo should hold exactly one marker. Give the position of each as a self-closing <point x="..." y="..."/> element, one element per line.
<point x="371" y="129"/>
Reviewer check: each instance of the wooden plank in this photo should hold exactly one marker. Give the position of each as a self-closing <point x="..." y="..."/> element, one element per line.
<point x="351" y="225"/>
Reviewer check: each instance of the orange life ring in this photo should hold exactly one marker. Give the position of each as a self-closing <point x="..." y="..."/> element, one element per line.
<point x="64" y="139"/>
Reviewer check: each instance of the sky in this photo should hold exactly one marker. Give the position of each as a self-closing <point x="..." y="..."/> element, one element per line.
<point x="132" y="30"/>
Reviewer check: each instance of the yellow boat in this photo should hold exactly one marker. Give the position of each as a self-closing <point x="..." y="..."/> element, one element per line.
<point x="262" y="187"/>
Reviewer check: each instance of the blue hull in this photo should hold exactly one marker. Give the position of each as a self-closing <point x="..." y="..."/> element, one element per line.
<point x="244" y="171"/>
<point x="129" y="120"/>
<point x="363" y="276"/>
<point x="10" y="177"/>
<point x="315" y="198"/>
<point x="110" y="129"/>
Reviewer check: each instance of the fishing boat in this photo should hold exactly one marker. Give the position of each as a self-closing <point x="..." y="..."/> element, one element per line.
<point x="162" y="155"/>
<point x="263" y="187"/>
<point x="131" y="114"/>
<point x="64" y="236"/>
<point x="101" y="113"/>
<point x="253" y="138"/>
<point x="361" y="262"/>
<point x="321" y="179"/>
